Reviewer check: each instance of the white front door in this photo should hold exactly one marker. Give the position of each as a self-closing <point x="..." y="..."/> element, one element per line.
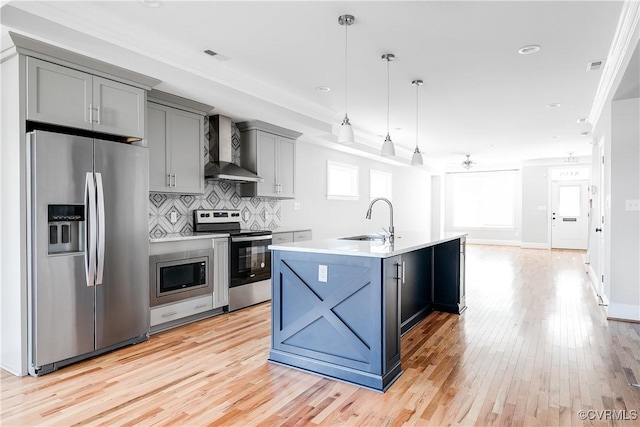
<point x="569" y="219"/>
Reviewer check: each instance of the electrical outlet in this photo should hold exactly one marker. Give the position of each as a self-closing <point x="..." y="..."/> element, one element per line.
<point x="323" y="273"/>
<point x="632" y="205"/>
<point x="173" y="217"/>
<point x="296" y="206"/>
<point x="245" y="215"/>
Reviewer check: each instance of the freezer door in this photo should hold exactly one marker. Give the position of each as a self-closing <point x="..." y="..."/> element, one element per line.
<point x="122" y="279"/>
<point x="61" y="301"/>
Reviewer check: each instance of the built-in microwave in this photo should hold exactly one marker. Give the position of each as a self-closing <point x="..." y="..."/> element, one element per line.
<point x="180" y="275"/>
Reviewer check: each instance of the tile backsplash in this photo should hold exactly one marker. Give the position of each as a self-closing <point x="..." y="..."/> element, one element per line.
<point x="257" y="213"/>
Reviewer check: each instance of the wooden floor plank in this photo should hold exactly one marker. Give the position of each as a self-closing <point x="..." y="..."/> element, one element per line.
<point x="533" y="348"/>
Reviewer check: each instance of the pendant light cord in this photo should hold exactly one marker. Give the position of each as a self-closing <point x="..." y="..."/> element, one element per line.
<point x="345" y="67"/>
<point x="417" y="87"/>
<point x="388" y="98"/>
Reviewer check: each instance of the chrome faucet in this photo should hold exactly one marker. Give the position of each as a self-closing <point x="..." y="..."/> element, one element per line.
<point x="368" y="216"/>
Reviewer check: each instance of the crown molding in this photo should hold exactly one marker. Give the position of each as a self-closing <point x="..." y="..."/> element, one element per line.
<point x="621" y="45"/>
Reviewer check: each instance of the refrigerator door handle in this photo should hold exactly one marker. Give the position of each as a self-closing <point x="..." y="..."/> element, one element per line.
<point x="101" y="228"/>
<point x="90" y="251"/>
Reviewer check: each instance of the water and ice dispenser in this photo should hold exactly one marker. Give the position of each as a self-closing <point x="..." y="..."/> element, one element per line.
<point x="66" y="234"/>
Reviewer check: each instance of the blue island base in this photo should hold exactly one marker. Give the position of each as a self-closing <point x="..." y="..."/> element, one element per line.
<point x="352" y="376"/>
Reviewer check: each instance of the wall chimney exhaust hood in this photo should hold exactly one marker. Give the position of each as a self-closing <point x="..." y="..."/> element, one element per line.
<point x="219" y="166"/>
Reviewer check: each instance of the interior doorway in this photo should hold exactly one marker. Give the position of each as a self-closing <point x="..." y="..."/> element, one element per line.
<point x="569" y="214"/>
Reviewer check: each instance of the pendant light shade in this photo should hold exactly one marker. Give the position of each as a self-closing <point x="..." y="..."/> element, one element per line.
<point x="387" y="147"/>
<point x="416" y="159"/>
<point x="346" y="131"/>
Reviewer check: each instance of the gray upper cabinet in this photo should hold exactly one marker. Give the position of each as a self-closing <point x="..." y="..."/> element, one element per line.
<point x="68" y="97"/>
<point x="176" y="150"/>
<point x="270" y="152"/>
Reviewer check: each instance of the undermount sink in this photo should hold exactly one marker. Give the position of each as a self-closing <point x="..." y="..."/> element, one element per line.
<point x="364" y="237"/>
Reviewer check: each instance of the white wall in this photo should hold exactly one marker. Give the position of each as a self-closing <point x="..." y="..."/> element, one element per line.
<point x="624" y="299"/>
<point x="334" y="218"/>
<point x="535" y="195"/>
<point x="13" y="323"/>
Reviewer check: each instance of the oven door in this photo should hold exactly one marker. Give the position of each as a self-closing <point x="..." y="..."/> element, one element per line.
<point x="250" y="259"/>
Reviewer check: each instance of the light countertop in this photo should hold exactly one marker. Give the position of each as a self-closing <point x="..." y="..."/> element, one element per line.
<point x="404" y="242"/>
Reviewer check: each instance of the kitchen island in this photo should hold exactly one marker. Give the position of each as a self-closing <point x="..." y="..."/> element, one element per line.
<point x="340" y="306"/>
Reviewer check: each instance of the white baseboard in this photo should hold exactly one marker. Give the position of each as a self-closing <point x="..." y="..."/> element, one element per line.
<point x="623" y="311"/>
<point x="493" y="242"/>
<point x="529" y="245"/>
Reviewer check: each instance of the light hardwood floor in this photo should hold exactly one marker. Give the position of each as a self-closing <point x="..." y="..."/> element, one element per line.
<point x="533" y="348"/>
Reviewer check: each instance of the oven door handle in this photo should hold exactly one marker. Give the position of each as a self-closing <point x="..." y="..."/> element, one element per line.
<point x="251" y="239"/>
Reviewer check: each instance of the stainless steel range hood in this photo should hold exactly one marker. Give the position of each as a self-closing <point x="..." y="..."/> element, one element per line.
<point x="219" y="165"/>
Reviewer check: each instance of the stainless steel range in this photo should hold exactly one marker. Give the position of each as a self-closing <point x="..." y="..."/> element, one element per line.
<point x="249" y="258"/>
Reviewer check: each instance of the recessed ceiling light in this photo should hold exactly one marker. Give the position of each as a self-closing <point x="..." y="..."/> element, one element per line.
<point x="553" y="105"/>
<point x="210" y="52"/>
<point x="555" y="137"/>
<point x="323" y="89"/>
<point x="150" y="3"/>
<point x="582" y="120"/>
<point x="585" y="133"/>
<point x="529" y="49"/>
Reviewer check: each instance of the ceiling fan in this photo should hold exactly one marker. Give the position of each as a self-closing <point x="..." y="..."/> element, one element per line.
<point x="468" y="162"/>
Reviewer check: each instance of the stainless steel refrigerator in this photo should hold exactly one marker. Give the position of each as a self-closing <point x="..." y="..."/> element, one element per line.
<point x="89" y="247"/>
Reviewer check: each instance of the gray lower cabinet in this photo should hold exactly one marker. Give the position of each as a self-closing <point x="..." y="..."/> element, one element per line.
<point x="270" y="152"/>
<point x="68" y="97"/>
<point x="176" y="157"/>
<point x="220" y="272"/>
<point x="190" y="309"/>
<point x="291" y="236"/>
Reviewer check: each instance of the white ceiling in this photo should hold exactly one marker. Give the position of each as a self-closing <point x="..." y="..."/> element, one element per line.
<point x="480" y="96"/>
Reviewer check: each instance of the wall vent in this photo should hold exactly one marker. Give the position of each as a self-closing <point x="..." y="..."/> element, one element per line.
<point x="595" y="65"/>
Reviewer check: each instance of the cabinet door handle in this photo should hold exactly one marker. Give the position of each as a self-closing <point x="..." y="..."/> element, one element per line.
<point x="171" y="313"/>
<point x="98" y="114"/>
<point x="168" y="180"/>
<point x="90" y="113"/>
<point x="175" y="180"/>
<point x="200" y="306"/>
<point x="403" y="272"/>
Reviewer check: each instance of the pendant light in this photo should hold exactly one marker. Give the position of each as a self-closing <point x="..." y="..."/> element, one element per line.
<point x="416" y="159"/>
<point x="346" y="131"/>
<point x="387" y="147"/>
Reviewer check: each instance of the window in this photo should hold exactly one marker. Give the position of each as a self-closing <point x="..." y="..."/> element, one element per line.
<point x="569" y="200"/>
<point x="342" y="181"/>
<point x="379" y="184"/>
<point x="483" y="199"/>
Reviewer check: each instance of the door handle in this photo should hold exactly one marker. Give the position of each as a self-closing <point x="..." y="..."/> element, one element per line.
<point x="101" y="228"/>
<point x="90" y="250"/>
